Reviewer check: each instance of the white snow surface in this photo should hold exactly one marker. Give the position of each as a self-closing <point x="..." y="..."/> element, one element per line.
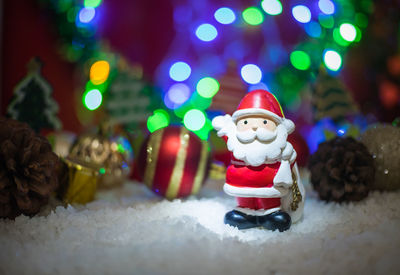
<point x="130" y="231"/>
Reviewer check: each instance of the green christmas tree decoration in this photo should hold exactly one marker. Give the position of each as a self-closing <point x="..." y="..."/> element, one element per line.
<point x="130" y="100"/>
<point x="331" y="99"/>
<point x="32" y="102"/>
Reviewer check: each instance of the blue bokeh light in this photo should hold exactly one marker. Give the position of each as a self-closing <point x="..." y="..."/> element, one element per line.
<point x="180" y="71"/>
<point x="251" y="74"/>
<point x="301" y="13"/>
<point x="178" y="93"/>
<point x="225" y="16"/>
<point x="313" y="29"/>
<point x="86" y="15"/>
<point x="206" y="32"/>
<point x="326" y="6"/>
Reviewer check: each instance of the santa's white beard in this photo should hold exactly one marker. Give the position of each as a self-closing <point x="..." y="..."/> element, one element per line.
<point x="258" y="147"/>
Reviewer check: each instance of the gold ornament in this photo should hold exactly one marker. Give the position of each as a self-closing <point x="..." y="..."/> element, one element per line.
<point x="383" y="143"/>
<point x="112" y="155"/>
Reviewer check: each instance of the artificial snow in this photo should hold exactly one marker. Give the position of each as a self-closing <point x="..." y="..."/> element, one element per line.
<point x="130" y="231"/>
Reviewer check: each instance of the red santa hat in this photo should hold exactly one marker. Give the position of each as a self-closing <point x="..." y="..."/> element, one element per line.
<point x="262" y="102"/>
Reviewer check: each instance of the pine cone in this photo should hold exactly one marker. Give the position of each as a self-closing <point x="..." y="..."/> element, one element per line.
<point x="342" y="170"/>
<point x="27" y="169"/>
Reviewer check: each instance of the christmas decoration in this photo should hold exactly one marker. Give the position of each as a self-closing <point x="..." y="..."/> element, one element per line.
<point x="383" y="143"/>
<point x="331" y="99"/>
<point x="112" y="155"/>
<point x="173" y="162"/>
<point x="231" y="91"/>
<point x="263" y="174"/>
<point x="342" y="170"/>
<point x="130" y="100"/>
<point x="27" y="169"/>
<point x="78" y="181"/>
<point x="32" y="102"/>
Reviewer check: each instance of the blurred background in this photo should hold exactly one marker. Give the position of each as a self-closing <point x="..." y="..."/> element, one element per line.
<point x="334" y="65"/>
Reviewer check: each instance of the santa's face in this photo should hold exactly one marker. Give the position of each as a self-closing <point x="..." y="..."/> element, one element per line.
<point x="257" y="139"/>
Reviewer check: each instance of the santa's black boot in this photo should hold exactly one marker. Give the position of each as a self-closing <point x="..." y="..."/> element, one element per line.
<point x="240" y="220"/>
<point x="278" y="220"/>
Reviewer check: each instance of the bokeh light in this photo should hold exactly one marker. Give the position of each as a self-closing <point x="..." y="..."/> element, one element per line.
<point x="300" y="60"/>
<point x="301" y="13"/>
<point x="326" y="21"/>
<point x="178" y="93"/>
<point x="207" y="87"/>
<point x="326" y="6"/>
<point x="313" y="29"/>
<point x="86" y="15"/>
<point x="206" y="32"/>
<point x="332" y="60"/>
<point x="253" y="16"/>
<point x="158" y="120"/>
<point x="251" y="73"/>
<point x="99" y="72"/>
<point x="348" y="32"/>
<point x="225" y="16"/>
<point x="339" y="39"/>
<point x="180" y="71"/>
<point x="194" y="119"/>
<point x="91" y="3"/>
<point x="92" y="99"/>
<point x="272" y="7"/>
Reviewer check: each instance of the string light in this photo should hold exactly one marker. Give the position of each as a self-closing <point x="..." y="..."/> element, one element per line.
<point x="251" y="73"/>
<point x="91" y="3"/>
<point x="207" y="87"/>
<point x="253" y="16"/>
<point x="326" y="6"/>
<point x="180" y="71"/>
<point x="194" y="119"/>
<point x="225" y="16"/>
<point x="92" y="99"/>
<point x="348" y="32"/>
<point x="301" y="13"/>
<point x="313" y="29"/>
<point x="272" y="7"/>
<point x="332" y="60"/>
<point x="300" y="60"/>
<point x="206" y="32"/>
<point x="178" y="93"/>
<point x="158" y="120"/>
<point x="86" y="15"/>
<point x="99" y="72"/>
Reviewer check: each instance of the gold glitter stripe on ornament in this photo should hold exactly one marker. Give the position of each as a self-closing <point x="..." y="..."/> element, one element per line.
<point x="177" y="173"/>
<point x="153" y="147"/>
<point x="198" y="179"/>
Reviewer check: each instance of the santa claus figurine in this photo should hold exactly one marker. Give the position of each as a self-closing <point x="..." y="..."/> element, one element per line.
<point x="263" y="174"/>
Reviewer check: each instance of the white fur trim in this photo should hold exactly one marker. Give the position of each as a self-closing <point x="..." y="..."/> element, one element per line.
<point x="254" y="111"/>
<point x="259" y="212"/>
<point x="289" y="125"/>
<point x="250" y="192"/>
<point x="284" y="175"/>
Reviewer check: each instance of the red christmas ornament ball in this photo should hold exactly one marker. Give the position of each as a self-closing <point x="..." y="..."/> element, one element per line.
<point x="301" y="147"/>
<point x="173" y="162"/>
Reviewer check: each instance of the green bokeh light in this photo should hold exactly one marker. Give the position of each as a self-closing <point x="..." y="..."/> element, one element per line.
<point x="92" y="99"/>
<point x="326" y="21"/>
<point x="207" y="87"/>
<point x="300" y="60"/>
<point x="204" y="132"/>
<point x="253" y="16"/>
<point x="339" y="39"/>
<point x="361" y="20"/>
<point x="194" y="120"/>
<point x="200" y="102"/>
<point x="92" y="3"/>
<point x="158" y="120"/>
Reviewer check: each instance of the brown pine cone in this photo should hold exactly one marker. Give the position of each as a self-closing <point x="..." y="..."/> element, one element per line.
<point x="27" y="169"/>
<point x="342" y="170"/>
